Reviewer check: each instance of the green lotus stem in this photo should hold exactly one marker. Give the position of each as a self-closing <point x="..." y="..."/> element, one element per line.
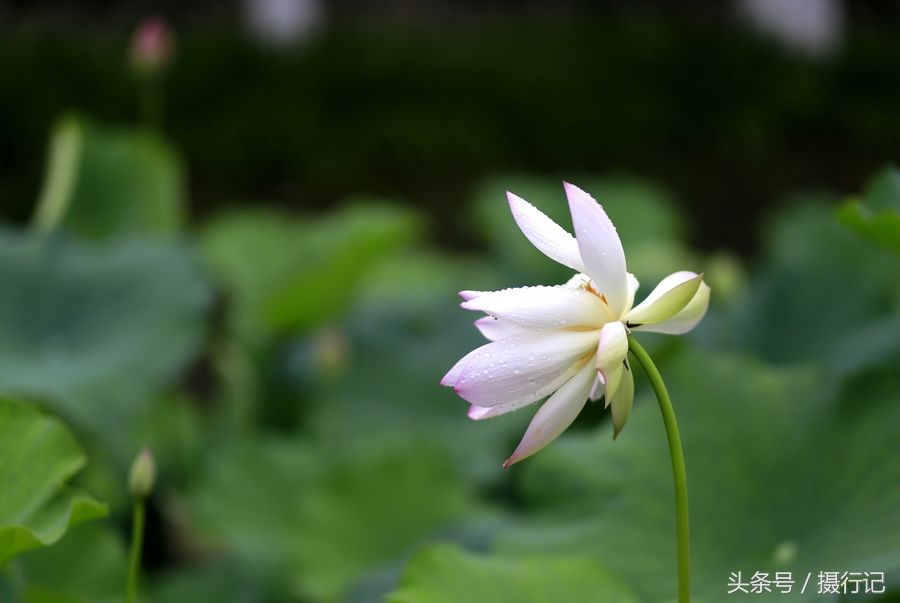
<point x="682" y="528"/>
<point x="134" y="557"/>
<point x="150" y="101"/>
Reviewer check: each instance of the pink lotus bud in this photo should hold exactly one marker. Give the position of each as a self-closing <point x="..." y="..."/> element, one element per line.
<point x="152" y="44"/>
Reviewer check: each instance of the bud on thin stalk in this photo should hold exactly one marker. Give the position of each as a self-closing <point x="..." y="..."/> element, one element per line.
<point x="142" y="476"/>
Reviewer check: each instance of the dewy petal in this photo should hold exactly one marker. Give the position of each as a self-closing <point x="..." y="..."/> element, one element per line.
<point x="495" y="329"/>
<point x="611" y="352"/>
<point x="622" y="402"/>
<point x="477" y="413"/>
<point x="685" y="320"/>
<point x="600" y="248"/>
<point x="467" y="295"/>
<point x="542" y="307"/>
<point x="555" y="415"/>
<point x="669" y="298"/>
<point x="545" y="234"/>
<point x="520" y="368"/>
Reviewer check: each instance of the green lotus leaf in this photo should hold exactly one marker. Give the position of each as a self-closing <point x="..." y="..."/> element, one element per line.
<point x="447" y="574"/>
<point x="340" y="515"/>
<point x="290" y="274"/>
<point x="95" y="330"/>
<point x="104" y="181"/>
<point x="39" y="457"/>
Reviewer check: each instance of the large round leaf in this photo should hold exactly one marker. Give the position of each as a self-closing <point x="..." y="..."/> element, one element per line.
<point x="445" y="574"/>
<point x="38" y="456"/>
<point x="340" y="515"/>
<point x="95" y="330"/>
<point x="819" y="287"/>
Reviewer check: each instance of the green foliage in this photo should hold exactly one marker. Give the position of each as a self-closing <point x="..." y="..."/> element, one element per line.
<point x="96" y="330"/>
<point x="876" y="215"/>
<point x="86" y="566"/>
<point x="339" y="515"/>
<point x="404" y="333"/>
<point x="309" y="452"/>
<point x="286" y="274"/>
<point x="783" y="475"/>
<point x="101" y="182"/>
<point x="821" y="295"/>
<point x="221" y="580"/>
<point x="39" y="455"/>
<point x="445" y="574"/>
<point x="442" y="109"/>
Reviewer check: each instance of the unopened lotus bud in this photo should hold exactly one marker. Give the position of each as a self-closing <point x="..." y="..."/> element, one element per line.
<point x="152" y="45"/>
<point x="142" y="476"/>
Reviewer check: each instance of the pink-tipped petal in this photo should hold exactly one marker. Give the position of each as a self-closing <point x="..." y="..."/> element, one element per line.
<point x="671" y="296"/>
<point x="596" y="389"/>
<point x="478" y="413"/>
<point x="469" y="295"/>
<point x="555" y="415"/>
<point x="494" y="329"/>
<point x="600" y="247"/>
<point x="545" y="234"/>
<point x="452" y="376"/>
<point x="685" y="320"/>
<point x="522" y="368"/>
<point x="543" y="308"/>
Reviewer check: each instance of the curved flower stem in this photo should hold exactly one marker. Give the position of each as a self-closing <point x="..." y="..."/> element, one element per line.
<point x="682" y="529"/>
<point x="134" y="557"/>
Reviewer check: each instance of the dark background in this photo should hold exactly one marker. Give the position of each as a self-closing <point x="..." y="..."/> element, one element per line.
<point x="417" y="101"/>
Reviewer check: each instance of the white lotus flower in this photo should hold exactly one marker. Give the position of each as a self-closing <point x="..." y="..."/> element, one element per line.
<point x="568" y="342"/>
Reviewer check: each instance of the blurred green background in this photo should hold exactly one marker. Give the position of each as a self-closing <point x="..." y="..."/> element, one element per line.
<point x="247" y="258"/>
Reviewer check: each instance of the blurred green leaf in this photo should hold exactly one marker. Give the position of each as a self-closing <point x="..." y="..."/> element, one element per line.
<point x="818" y="288"/>
<point x="87" y="566"/>
<point x="883" y="190"/>
<point x="405" y="330"/>
<point x="39" y="456"/>
<point x="95" y="330"/>
<point x="340" y="514"/>
<point x="876" y="215"/>
<point x="291" y="274"/>
<point x="782" y="477"/>
<point x="103" y="181"/>
<point x="446" y="574"/>
<point x="221" y="580"/>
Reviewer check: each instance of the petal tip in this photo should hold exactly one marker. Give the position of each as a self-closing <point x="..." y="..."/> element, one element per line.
<point x="575" y="192"/>
<point x="450" y="379"/>
<point x="476" y="412"/>
<point x="514" y="201"/>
